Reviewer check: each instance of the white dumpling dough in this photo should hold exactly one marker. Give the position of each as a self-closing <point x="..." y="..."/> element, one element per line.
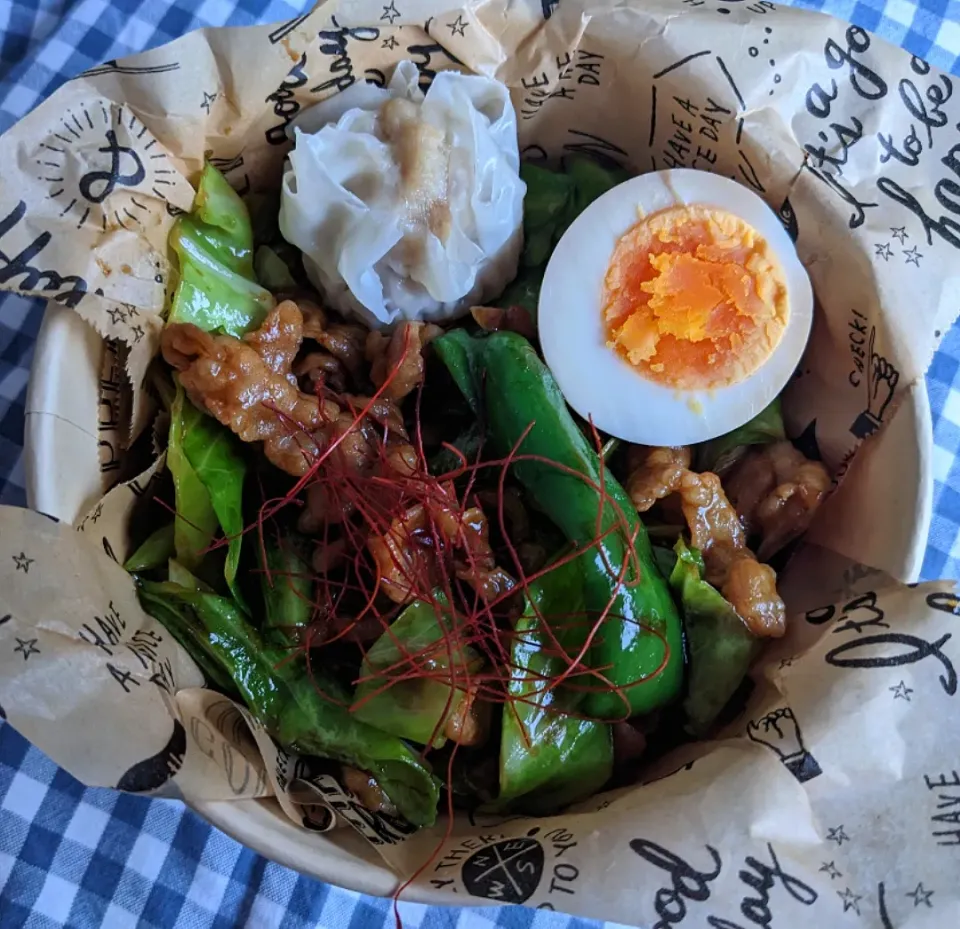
<point x="407" y="206"/>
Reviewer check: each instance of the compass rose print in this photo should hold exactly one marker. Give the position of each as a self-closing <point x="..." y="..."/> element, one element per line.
<point x="508" y="871"/>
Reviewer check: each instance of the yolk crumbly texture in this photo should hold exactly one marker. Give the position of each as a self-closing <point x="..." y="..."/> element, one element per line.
<point x="694" y="298"/>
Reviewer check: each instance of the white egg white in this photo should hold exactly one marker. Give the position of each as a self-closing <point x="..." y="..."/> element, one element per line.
<point x="596" y="381"/>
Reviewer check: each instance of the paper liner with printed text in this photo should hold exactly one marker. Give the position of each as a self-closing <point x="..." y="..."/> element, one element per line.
<point x="834" y="795"/>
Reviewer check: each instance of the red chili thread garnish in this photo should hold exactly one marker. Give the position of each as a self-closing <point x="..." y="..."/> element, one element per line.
<point x="424" y="522"/>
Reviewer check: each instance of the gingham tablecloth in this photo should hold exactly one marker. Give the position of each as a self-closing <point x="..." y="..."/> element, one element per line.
<point x="80" y="858"/>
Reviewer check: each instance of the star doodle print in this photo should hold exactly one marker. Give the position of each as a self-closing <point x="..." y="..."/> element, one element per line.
<point x="838" y="835"/>
<point x="831" y="870"/>
<point x="901" y="691"/>
<point x="920" y="896"/>
<point x="27" y="647"/>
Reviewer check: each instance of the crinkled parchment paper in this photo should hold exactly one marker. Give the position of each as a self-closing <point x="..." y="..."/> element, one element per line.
<point x="834" y="797"/>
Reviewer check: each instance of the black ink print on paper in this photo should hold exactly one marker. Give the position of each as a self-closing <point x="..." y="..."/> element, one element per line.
<point x="924" y="104"/>
<point x="704" y="132"/>
<point x="422" y="55"/>
<point x="22" y="563"/>
<point x="780" y="732"/>
<point x="333" y="44"/>
<point x="901" y="691"/>
<point x="686" y="882"/>
<point x="920" y="896"/>
<point x="284" y="29"/>
<point x="377" y="828"/>
<point x="152" y="773"/>
<point x="873" y="651"/>
<point x="285" y="106"/>
<point x="788" y="217"/>
<point x="114" y="67"/>
<point x="850" y="900"/>
<point x="831" y="870"/>
<point x="458" y="26"/>
<point x="880" y="383"/>
<point x="866" y="602"/>
<point x="126" y="170"/>
<point x="390" y="13"/>
<point x="837" y="834"/>
<point x="20" y="271"/>
<point x="601" y="150"/>
<point x="548" y="6"/>
<point x="945" y="821"/>
<point x="508" y="871"/>
<point x="561" y="81"/>
<point x="829" y="154"/>
<point x="123" y="677"/>
<point x="108" y="141"/>
<point x="27" y="647"/>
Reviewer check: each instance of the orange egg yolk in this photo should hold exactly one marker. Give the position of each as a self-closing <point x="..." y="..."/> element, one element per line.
<point x="694" y="298"/>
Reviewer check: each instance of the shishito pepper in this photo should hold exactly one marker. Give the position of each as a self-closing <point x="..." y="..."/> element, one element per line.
<point x="639" y="647"/>
<point x="549" y="756"/>
<point x="287" y="587"/>
<point x="285" y="698"/>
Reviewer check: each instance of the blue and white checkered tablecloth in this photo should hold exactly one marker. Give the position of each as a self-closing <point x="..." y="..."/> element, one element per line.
<point x="71" y="856"/>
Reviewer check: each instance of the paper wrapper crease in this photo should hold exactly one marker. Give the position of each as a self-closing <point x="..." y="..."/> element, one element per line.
<point x="834" y="796"/>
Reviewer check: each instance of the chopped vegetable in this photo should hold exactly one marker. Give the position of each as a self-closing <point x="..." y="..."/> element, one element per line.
<point x="286" y="582"/>
<point x="302" y="710"/>
<point x="553" y="201"/>
<point x="640" y="641"/>
<point x="214" y="245"/>
<point x="547" y="757"/>
<point x="196" y="521"/>
<point x="720" y="454"/>
<point x="417" y="709"/>
<point x="272" y="271"/>
<point x="721" y="647"/>
<point x="153" y="552"/>
<point x="212" y="472"/>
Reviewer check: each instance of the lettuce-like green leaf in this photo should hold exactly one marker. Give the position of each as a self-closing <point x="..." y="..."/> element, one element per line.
<point x="412" y="709"/>
<point x="196" y="521"/>
<point x="208" y="472"/>
<point x="153" y="552"/>
<point x="720" y="453"/>
<point x="217" y="289"/>
<point x="720" y="645"/>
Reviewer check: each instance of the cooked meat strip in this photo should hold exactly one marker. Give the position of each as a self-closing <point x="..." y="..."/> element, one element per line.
<point x="777" y="491"/>
<point x="715" y="530"/>
<point x="240" y="383"/>
<point x="402" y="351"/>
<point x="655" y="473"/>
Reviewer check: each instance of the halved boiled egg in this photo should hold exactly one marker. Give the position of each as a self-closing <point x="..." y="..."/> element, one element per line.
<point x="674" y="309"/>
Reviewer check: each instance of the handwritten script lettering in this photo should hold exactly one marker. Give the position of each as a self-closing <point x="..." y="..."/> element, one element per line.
<point x="285" y="106"/>
<point x="857" y="654"/>
<point x="33" y="278"/>
<point x="112" y="177"/>
<point x="686" y="882"/>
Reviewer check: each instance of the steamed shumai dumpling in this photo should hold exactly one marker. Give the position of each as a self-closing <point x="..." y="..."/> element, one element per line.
<point x="407" y="205"/>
